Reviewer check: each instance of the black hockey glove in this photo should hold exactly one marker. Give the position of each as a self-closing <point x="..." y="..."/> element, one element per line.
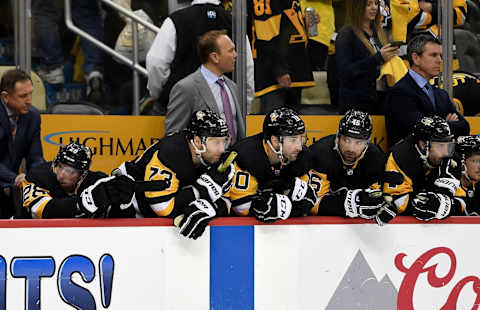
<point x="303" y="198"/>
<point x="430" y="205"/>
<point x="93" y="201"/>
<point x="387" y="212"/>
<point x="196" y="217"/>
<point x="268" y="206"/>
<point x="449" y="174"/>
<point x="364" y="203"/>
<point x="120" y="189"/>
<point x="213" y="184"/>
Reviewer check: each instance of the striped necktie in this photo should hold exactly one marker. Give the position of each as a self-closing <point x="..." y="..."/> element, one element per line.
<point x="13" y="124"/>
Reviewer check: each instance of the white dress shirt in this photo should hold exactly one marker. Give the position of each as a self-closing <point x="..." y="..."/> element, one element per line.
<point x="162" y="52"/>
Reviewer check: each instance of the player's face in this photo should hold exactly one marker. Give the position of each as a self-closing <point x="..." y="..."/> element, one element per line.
<point x="20" y="99"/>
<point x="473" y="167"/>
<point x="440" y="151"/>
<point x="371" y="10"/>
<point x="215" y="147"/>
<point x="351" y="148"/>
<point x="67" y="176"/>
<point x="429" y="63"/>
<point x="227" y="54"/>
<point x="292" y="146"/>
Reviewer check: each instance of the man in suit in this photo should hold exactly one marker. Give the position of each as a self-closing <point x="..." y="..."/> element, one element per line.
<point x="208" y="88"/>
<point x="413" y="97"/>
<point x="19" y="134"/>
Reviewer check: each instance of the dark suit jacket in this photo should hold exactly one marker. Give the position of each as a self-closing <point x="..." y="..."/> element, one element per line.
<point x="27" y="144"/>
<point x="191" y="94"/>
<point x="406" y="103"/>
<point x="357" y="71"/>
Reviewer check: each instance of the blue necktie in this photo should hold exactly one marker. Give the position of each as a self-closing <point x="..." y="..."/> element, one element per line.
<point x="429" y="91"/>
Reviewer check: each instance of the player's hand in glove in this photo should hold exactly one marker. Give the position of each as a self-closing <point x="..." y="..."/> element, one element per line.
<point x="120" y="189"/>
<point x="387" y="212"/>
<point x="94" y="201"/>
<point x="449" y="174"/>
<point x="364" y="203"/>
<point x="268" y="206"/>
<point x="303" y="198"/>
<point x="214" y="183"/>
<point x="430" y="205"/>
<point x="196" y="217"/>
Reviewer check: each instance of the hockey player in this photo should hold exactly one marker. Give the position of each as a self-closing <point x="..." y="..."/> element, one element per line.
<point x="347" y="170"/>
<point x="423" y="178"/>
<point x="468" y="149"/>
<point x="182" y="176"/>
<point x="271" y="170"/>
<point x="66" y="188"/>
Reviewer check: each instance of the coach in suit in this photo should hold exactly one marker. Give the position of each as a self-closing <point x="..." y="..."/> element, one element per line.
<point x="413" y="97"/>
<point x="208" y="88"/>
<point x="19" y="134"/>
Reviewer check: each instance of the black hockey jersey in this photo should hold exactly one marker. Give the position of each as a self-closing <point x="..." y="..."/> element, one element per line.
<point x="169" y="160"/>
<point x="472" y="199"/>
<point x="328" y="174"/>
<point x="253" y="172"/>
<point x="279" y="44"/>
<point x="43" y="197"/>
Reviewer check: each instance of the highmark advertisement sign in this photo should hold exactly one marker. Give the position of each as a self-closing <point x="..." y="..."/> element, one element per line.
<point x="240" y="264"/>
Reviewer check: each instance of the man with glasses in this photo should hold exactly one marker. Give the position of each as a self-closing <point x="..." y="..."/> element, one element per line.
<point x="468" y="149"/>
<point x="271" y="170"/>
<point x="347" y="170"/>
<point x="424" y="179"/>
<point x="179" y="175"/>
<point x="66" y="188"/>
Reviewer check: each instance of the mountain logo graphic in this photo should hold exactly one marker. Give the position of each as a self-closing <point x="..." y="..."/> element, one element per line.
<point x="360" y="289"/>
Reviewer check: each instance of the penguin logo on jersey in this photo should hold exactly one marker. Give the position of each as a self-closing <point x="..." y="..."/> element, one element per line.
<point x="211" y="14"/>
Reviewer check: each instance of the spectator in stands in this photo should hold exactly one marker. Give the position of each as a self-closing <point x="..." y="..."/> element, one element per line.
<point x="208" y="87"/>
<point x="361" y="48"/>
<point x="66" y="188"/>
<point x="468" y="149"/>
<point x="172" y="54"/>
<point x="19" y="135"/>
<point x="347" y="170"/>
<point x="282" y="67"/>
<point x="86" y="14"/>
<point x="413" y="97"/>
<point x="423" y="180"/>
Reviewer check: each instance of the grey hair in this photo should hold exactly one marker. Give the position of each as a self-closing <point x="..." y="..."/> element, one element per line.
<point x="417" y="45"/>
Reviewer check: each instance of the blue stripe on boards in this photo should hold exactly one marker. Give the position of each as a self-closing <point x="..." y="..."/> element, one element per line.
<point x="231" y="267"/>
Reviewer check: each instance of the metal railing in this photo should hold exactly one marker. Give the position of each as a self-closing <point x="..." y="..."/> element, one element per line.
<point x="132" y="63"/>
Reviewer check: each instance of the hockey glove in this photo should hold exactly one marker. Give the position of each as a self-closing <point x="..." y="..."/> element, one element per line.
<point x="120" y="189"/>
<point x="449" y="175"/>
<point x="387" y="212"/>
<point x="196" y="218"/>
<point x="303" y="198"/>
<point x="215" y="183"/>
<point x="93" y="201"/>
<point x="364" y="203"/>
<point x="430" y="205"/>
<point x="268" y="206"/>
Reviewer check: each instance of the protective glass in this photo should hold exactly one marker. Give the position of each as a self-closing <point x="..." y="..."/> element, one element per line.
<point x="217" y="142"/>
<point x="62" y="168"/>
<point x="442" y="149"/>
<point x="296" y="140"/>
<point x="354" y="142"/>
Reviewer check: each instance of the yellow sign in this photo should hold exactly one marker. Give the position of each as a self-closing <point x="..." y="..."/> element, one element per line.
<point x="115" y="139"/>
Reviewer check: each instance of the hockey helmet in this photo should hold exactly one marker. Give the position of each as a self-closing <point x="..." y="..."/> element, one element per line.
<point x="468" y="145"/>
<point x="356" y="124"/>
<point x="206" y="123"/>
<point x="433" y="129"/>
<point x="283" y="122"/>
<point x="75" y="155"/>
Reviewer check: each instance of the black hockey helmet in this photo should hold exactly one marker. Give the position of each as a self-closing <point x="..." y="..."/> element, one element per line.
<point x="282" y="122"/>
<point x="206" y="123"/>
<point x="432" y="128"/>
<point x="468" y="145"/>
<point x="356" y="124"/>
<point x="74" y="155"/>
